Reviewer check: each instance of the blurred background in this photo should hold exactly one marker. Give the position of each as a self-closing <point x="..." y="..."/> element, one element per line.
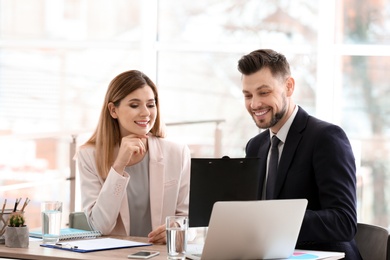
<point x="57" y="58"/>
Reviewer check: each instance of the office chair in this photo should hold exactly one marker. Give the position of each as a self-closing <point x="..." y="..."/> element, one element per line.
<point x="78" y="220"/>
<point x="373" y="242"/>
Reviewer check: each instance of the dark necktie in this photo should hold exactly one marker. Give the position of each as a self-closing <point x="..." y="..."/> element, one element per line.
<point x="272" y="168"/>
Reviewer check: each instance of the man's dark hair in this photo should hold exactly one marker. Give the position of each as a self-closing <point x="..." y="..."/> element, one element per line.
<point x="264" y="58"/>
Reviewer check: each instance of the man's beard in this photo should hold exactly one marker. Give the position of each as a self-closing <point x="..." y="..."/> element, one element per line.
<point x="275" y="118"/>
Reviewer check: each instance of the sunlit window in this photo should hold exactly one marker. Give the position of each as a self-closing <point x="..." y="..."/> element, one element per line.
<point x="57" y="58"/>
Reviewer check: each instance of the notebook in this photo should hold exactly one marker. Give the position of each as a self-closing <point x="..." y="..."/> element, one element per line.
<point x="220" y="179"/>
<point x="69" y="233"/>
<point x="92" y="245"/>
<point x="263" y="229"/>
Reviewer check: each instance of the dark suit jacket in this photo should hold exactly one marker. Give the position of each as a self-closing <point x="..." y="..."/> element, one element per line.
<point x="316" y="163"/>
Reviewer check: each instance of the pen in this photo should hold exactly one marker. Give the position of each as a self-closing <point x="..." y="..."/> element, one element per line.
<point x="1" y="216"/>
<point x="67" y="246"/>
<point x="25" y="204"/>
<point x="16" y="204"/>
<point x="2" y="211"/>
<point x="5" y="202"/>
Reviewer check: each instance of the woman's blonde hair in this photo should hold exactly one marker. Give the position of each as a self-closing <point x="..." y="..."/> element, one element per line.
<point x="107" y="134"/>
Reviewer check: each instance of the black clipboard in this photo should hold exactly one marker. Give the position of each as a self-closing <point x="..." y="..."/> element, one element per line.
<point x="221" y="179"/>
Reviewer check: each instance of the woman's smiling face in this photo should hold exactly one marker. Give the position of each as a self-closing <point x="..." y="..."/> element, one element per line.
<point x="136" y="113"/>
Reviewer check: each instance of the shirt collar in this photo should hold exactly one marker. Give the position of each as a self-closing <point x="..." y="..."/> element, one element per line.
<point x="282" y="134"/>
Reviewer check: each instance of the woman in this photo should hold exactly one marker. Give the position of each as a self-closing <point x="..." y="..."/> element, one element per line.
<point x="132" y="178"/>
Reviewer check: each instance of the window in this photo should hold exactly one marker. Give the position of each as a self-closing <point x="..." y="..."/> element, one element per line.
<point x="57" y="58"/>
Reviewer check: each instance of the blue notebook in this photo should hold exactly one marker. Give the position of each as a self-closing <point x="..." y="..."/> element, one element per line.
<point x="98" y="244"/>
<point x="69" y="233"/>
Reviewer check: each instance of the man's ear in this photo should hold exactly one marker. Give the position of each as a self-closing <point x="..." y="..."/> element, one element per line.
<point x="290" y="86"/>
<point x="112" y="109"/>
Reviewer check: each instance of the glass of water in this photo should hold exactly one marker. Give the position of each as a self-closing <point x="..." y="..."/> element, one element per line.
<point x="51" y="221"/>
<point x="177" y="229"/>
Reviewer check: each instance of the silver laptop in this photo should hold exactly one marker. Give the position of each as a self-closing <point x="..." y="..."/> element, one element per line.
<point x="263" y="229"/>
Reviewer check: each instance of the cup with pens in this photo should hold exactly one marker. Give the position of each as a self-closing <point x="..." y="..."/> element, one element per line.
<point x="7" y="212"/>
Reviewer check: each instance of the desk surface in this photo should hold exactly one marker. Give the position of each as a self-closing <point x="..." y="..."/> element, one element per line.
<point x="35" y="251"/>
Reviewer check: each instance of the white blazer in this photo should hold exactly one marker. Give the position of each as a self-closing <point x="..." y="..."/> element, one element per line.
<point x="105" y="202"/>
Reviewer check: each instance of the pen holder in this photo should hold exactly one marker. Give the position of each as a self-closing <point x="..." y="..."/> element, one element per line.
<point x="4" y="216"/>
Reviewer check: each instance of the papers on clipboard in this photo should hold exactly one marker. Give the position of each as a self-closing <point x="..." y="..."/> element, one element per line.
<point x="98" y="244"/>
<point x="313" y="255"/>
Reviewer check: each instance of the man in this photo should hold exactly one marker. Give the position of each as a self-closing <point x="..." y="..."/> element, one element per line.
<point x="315" y="159"/>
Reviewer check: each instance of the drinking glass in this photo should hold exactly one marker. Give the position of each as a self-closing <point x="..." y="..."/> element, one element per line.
<point x="51" y="221"/>
<point x="177" y="229"/>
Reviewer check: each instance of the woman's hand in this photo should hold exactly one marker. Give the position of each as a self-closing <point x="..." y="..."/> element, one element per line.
<point x="130" y="146"/>
<point x="158" y="236"/>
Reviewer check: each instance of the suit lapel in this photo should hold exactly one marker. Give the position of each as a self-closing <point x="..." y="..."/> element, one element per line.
<point x="156" y="175"/>
<point x="292" y="141"/>
<point x="264" y="145"/>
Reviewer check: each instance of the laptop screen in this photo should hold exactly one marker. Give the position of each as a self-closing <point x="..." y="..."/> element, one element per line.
<point x="220" y="179"/>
